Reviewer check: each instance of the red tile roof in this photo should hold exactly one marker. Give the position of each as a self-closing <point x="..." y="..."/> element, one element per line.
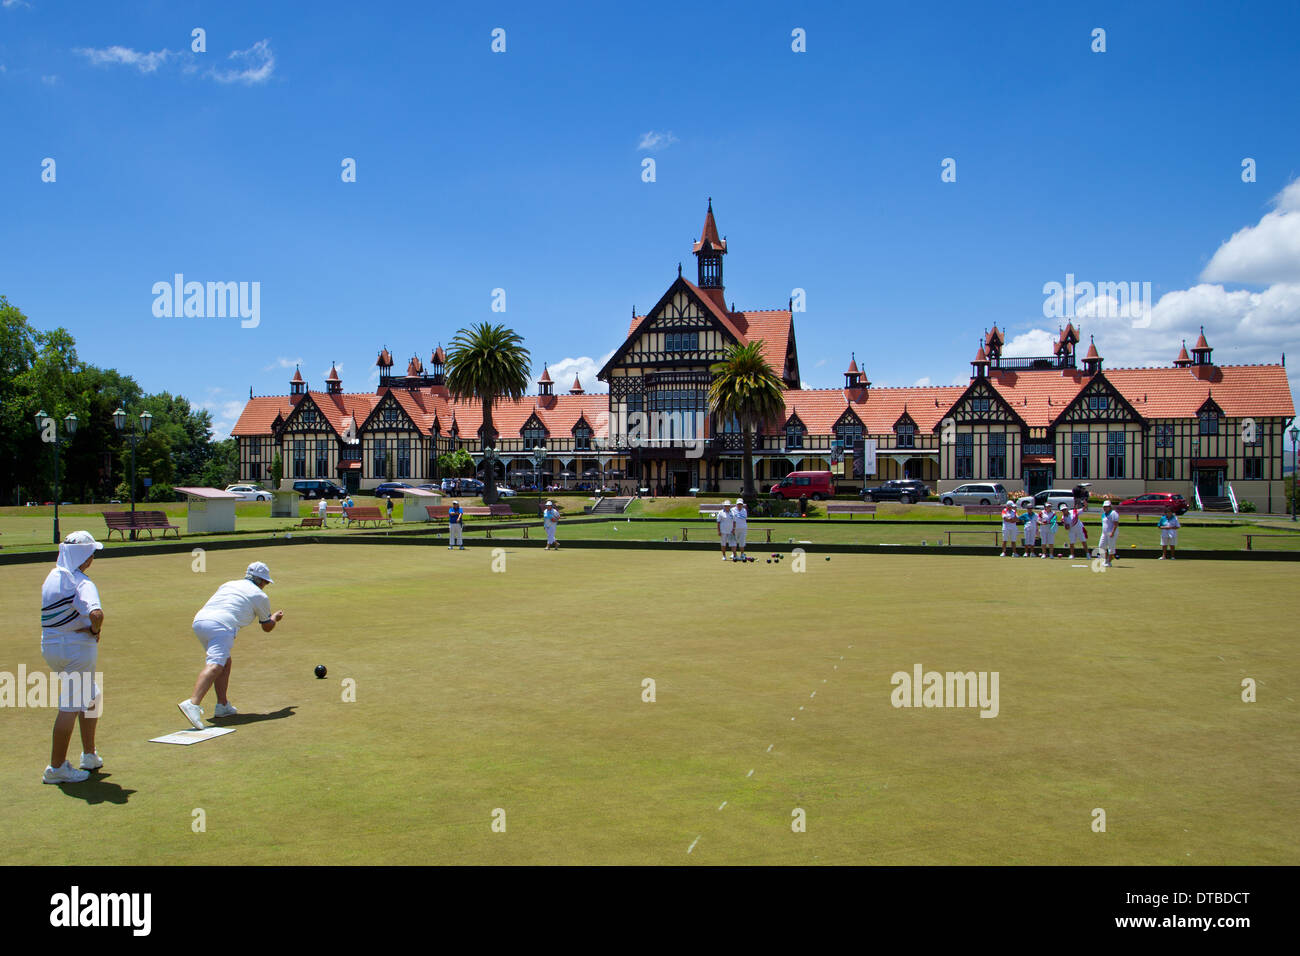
<point x="878" y="408"/>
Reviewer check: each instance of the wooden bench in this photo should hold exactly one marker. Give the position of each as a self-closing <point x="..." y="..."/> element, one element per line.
<point x="851" y="508"/>
<point x="986" y="531"/>
<point x="361" y="515"/>
<point x="494" y="511"/>
<point x="151" y="521"/>
<point x="709" y="510"/>
<point x="1257" y="535"/>
<point x="969" y="510"/>
<point x="316" y="522"/>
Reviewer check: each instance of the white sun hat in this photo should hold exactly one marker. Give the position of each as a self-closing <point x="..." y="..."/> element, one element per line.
<point x="258" y="569"/>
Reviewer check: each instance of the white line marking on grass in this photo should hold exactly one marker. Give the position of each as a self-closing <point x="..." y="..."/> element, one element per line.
<point x="769" y="747"/>
<point x="750" y="774"/>
<point x="692" y="846"/>
<point x="1079" y="565"/>
<point x="812" y="695"/>
<point x="723" y="804"/>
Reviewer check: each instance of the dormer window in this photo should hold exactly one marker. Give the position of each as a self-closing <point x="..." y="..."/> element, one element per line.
<point x="849" y="432"/>
<point x="389" y="416"/>
<point x="1209" y="423"/>
<point x="794" y="435"/>
<point x="979" y="406"/>
<point x="582" y="437"/>
<point x="905" y="435"/>
<point x="1098" y="403"/>
<point x="534" y="436"/>
<point x="682" y="342"/>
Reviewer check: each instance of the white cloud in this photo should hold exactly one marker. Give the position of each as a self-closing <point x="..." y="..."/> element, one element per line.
<point x="261" y="64"/>
<point x="283" y="363"/>
<point x="125" y="56"/>
<point x="14" y="3"/>
<point x="654" y="141"/>
<point x="1033" y="342"/>
<point x="819" y="363"/>
<point x="563" y="371"/>
<point x="1266" y="253"/>
<point x="921" y="382"/>
<point x="224" y="416"/>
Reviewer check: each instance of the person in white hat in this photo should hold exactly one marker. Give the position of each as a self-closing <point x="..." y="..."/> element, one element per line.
<point x="236" y="604"/>
<point x="455" y="526"/>
<point x="739" y="529"/>
<point x="1109" y="532"/>
<point x="726" y="525"/>
<point x="551" y="518"/>
<point x="71" y="619"/>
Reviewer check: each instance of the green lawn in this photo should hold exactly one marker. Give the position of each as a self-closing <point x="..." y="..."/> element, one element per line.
<point x="522" y="690"/>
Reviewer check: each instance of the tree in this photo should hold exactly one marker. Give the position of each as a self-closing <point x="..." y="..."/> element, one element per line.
<point x="456" y="462"/>
<point x="487" y="363"/>
<point x="745" y="388"/>
<point x="222" y="467"/>
<point x="277" y="470"/>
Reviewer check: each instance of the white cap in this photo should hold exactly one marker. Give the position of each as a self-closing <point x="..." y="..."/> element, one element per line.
<point x="550" y="504"/>
<point x="1105" y="504"/>
<point x="259" y="569"/>
<point x="726" y="503"/>
<point x="83" y="537"/>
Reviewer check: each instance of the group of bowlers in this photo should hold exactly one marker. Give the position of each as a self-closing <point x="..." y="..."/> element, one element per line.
<point x="72" y="620"/>
<point x="1039" y="528"/>
<point x="733" y="528"/>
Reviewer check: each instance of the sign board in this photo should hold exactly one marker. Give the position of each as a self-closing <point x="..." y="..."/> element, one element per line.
<point x="864" y="458"/>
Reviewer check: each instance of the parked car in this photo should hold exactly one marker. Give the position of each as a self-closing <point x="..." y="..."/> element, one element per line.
<point x="318" y="488"/>
<point x="391" y="489"/>
<point x="907" y="490"/>
<point x="815" y="484"/>
<point x="975" y="494"/>
<point x="1052" y="497"/>
<point x="249" y="492"/>
<point x="504" y="492"/>
<point x="1153" y="504"/>
<point x="470" y="486"/>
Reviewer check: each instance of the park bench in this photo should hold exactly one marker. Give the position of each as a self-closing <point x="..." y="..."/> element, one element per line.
<point x="314" y="522"/>
<point x="985" y="531"/>
<point x="363" y="514"/>
<point x="969" y="510"/>
<point x="851" y="508"/>
<point x="494" y="511"/>
<point x="709" y="511"/>
<point x="151" y="521"/>
<point x="1257" y="535"/>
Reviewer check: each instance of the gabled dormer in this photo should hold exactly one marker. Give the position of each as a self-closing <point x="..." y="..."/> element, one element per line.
<point x="905" y="430"/>
<point x="980" y="403"/>
<point x="533" y="432"/>
<point x="848" y="428"/>
<point x="1209" y="416"/>
<point x="795" y="430"/>
<point x="583" y="434"/>
<point x="1098" y="401"/>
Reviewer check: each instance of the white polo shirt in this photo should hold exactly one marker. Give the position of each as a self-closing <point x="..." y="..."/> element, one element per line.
<point x="236" y="604"/>
<point x="65" y="612"/>
<point x="1110" y="523"/>
<point x="725" y="521"/>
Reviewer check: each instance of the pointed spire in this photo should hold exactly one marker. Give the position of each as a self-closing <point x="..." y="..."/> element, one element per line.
<point x="1183" y="360"/>
<point x="297" y="376"/>
<point x="709" y="234"/>
<point x="1201" y="344"/>
<point x="439" y="356"/>
<point x="577" y="387"/>
<point x="385" y="359"/>
<point x="334" y="373"/>
<point x="1092" y="351"/>
<point x="546" y="375"/>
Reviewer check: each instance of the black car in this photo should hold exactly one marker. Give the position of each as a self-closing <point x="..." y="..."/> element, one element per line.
<point x="390" y="489"/>
<point x="907" y="490"/>
<point x="316" y="488"/>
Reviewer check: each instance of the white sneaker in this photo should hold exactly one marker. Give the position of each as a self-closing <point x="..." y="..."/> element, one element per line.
<point x="91" y="761"/>
<point x="64" y="774"/>
<point x="193" y="713"/>
<point x="225" y="710"/>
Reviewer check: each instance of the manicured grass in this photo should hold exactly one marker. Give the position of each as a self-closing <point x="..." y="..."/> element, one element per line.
<point x="522" y="690"/>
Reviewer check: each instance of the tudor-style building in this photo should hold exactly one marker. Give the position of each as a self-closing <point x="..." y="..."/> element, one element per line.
<point x="1209" y="432"/>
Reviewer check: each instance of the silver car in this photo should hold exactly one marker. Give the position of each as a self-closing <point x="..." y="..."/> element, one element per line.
<point x="979" y="493"/>
<point x="249" y="492"/>
<point x="1052" y="497"/>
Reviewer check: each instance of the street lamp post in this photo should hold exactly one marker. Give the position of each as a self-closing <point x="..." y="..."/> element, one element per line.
<point x="119" y="422"/>
<point x="1295" y="434"/>
<point x="50" y="434"/>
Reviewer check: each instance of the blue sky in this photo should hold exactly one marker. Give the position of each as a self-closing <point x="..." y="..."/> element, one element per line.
<point x="522" y="170"/>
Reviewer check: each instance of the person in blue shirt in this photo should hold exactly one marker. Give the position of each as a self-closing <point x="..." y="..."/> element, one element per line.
<point x="551" y="518"/>
<point x="1169" y="525"/>
<point x="456" y="526"/>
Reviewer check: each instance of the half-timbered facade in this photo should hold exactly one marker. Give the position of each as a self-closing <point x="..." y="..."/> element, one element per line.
<point x="1209" y="432"/>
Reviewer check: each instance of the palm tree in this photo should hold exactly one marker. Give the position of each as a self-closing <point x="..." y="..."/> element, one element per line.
<point x="488" y="362"/>
<point x="745" y="388"/>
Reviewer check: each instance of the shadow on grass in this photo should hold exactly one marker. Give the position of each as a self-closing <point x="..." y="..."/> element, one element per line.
<point x="238" y="719"/>
<point x="97" y="789"/>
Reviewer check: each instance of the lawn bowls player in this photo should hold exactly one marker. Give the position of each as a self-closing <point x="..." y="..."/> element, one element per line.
<point x="1009" y="528"/>
<point x="236" y="604"/>
<point x="1046" y="532"/>
<point x="1109" y="532"/>
<point x="1076" y="533"/>
<point x="455" y="526"/>
<point x="551" y="518"/>
<point x="739" y="529"/>
<point x="71" y="619"/>
<point x="725" y="525"/>
<point x="1169" y="525"/>
<point x="1031" y="529"/>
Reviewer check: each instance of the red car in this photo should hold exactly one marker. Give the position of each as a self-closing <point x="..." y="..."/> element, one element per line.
<point x="1153" y="504"/>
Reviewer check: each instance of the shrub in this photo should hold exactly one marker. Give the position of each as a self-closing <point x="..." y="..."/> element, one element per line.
<point x="1249" y="507"/>
<point x="161" y="492"/>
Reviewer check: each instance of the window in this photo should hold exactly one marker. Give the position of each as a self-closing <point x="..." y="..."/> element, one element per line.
<point x="849" y="432"/>
<point x="731" y="469"/>
<point x="322" y="458"/>
<point x="906" y="436"/>
<point x="299" y="458"/>
<point x="1098" y="403"/>
<point x="1164" y="436"/>
<point x="965" y="464"/>
<point x="309" y="416"/>
<point x="682" y="342"/>
<point x="381" y="458"/>
<point x="998" y="455"/>
<point x="681" y="412"/>
<point x="1079" y="455"/>
<point x="254" y="446"/>
<point x="1164" y="469"/>
<point x="582" y="437"/>
<point x="731" y="427"/>
<point x="1115" y="454"/>
<point x="403" y="458"/>
<point x="979" y="405"/>
<point x="534" y="436"/>
<point x="1209" y="423"/>
<point x="794" y="435"/>
<point x="1252" y="469"/>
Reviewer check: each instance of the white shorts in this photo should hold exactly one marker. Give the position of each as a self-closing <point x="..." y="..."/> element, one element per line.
<point x="1076" y="534"/>
<point x="1009" y="533"/>
<point x="1047" y="536"/>
<point x="550" y="534"/>
<point x="73" y="659"/>
<point x="1169" y="538"/>
<point x="217" y="639"/>
<point x="1029" y="534"/>
<point x="1107" y="543"/>
<point x="738" y="537"/>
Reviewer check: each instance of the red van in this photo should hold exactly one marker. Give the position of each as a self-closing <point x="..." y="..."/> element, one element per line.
<point x="815" y="484"/>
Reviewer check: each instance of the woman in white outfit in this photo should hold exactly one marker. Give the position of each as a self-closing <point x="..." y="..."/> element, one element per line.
<point x="71" y="619"/>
